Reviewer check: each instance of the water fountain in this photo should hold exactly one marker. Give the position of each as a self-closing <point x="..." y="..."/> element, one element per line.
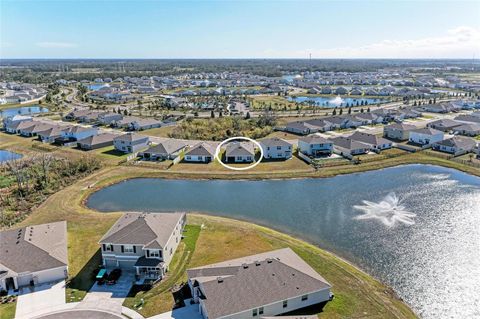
<point x="388" y="211"/>
<point x="337" y="101"/>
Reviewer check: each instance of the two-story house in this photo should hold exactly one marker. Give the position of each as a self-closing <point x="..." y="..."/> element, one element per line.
<point x="276" y="148"/>
<point x="315" y="145"/>
<point x="76" y="133"/>
<point x="131" y="142"/>
<point x="143" y="242"/>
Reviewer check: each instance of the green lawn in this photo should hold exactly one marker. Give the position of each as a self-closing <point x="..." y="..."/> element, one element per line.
<point x="7" y="311"/>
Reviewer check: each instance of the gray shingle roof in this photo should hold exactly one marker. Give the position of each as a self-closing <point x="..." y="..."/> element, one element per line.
<point x="272" y="142"/>
<point x="148" y="229"/>
<point x="315" y="139"/>
<point x="130" y="137"/>
<point x="98" y="139"/>
<point x="240" y="149"/>
<point x="167" y="147"/>
<point x="368" y="138"/>
<point x="255" y="281"/>
<point x="34" y="248"/>
<point x="202" y="149"/>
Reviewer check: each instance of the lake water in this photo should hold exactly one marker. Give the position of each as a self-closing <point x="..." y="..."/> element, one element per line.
<point x="96" y="87"/>
<point x="23" y="110"/>
<point x="337" y="101"/>
<point x="8" y="156"/>
<point x="415" y="227"/>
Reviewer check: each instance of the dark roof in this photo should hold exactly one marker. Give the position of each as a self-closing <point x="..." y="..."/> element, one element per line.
<point x="98" y="139"/>
<point x="368" y="138"/>
<point x="202" y="149"/>
<point x="348" y="143"/>
<point x="148" y="262"/>
<point x="240" y="149"/>
<point x="315" y="139"/>
<point x="166" y="148"/>
<point x="272" y="142"/>
<point x="130" y="137"/>
<point x="459" y="142"/>
<point x="34" y="248"/>
<point x="252" y="284"/>
<point x="147" y="229"/>
<point x="427" y="131"/>
<point x="401" y="126"/>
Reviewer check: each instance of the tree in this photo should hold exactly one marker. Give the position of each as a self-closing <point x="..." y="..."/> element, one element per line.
<point x="368" y="110"/>
<point x="334" y="111"/>
<point x="247" y="117"/>
<point x="212" y="114"/>
<point x="341" y="112"/>
<point x="349" y="110"/>
<point x="125" y="112"/>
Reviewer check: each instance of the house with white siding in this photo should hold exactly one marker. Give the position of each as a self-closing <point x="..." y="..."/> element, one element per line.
<point x="276" y="148"/>
<point x="347" y="147"/>
<point x="398" y="131"/>
<point x="131" y="142"/>
<point x="315" y="145"/>
<point x="76" y="133"/>
<point x="376" y="143"/>
<point x="33" y="255"/>
<point x="456" y="145"/>
<point x="143" y="242"/>
<point x="202" y="152"/>
<point x="425" y="136"/>
<point x="240" y="152"/>
<point x="266" y="284"/>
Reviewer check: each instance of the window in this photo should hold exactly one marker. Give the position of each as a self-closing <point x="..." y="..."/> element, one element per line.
<point x="260" y="311"/>
<point x="128" y="249"/>
<point x="304" y="297"/>
<point x="285" y="303"/>
<point x="188" y="158"/>
<point x="254" y="312"/>
<point x="108" y="247"/>
<point x="279" y="147"/>
<point x="154" y="253"/>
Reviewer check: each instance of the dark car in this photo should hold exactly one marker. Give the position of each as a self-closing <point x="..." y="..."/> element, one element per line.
<point x="113" y="276"/>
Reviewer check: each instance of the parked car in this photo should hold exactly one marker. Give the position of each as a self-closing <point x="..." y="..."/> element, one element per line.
<point x="101" y="276"/>
<point x="113" y="276"/>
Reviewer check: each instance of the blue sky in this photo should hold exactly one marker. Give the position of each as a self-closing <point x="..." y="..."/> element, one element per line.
<point x="239" y="29"/>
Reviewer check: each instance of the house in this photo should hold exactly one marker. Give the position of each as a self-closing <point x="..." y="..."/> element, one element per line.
<point x="470" y="118"/>
<point x="398" y="131"/>
<point x="32" y="130"/>
<point x="315" y="145"/>
<point x="347" y="147"/>
<point x="376" y="143"/>
<point x="456" y="145"/>
<point x="301" y="127"/>
<point x="96" y="141"/>
<point x="76" y="133"/>
<point x="33" y="255"/>
<point x="144" y="124"/>
<point x="168" y="149"/>
<point x="18" y="127"/>
<point x="10" y="122"/>
<point x="131" y="142"/>
<point x="341" y="90"/>
<point x="369" y="118"/>
<point x="240" y="152"/>
<point x="266" y="284"/>
<point x="201" y="152"/>
<point x="326" y="90"/>
<point x="444" y="125"/>
<point x="472" y="129"/>
<point x="143" y="242"/>
<point x="109" y="118"/>
<point x="276" y="148"/>
<point x="75" y="115"/>
<point x="425" y="136"/>
<point x="337" y="122"/>
<point x="320" y="125"/>
<point x="51" y="134"/>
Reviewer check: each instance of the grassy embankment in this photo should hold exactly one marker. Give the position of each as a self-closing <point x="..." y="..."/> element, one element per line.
<point x="7" y="311"/>
<point x="356" y="293"/>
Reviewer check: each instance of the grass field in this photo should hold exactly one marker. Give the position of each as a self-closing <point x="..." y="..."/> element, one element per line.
<point x="7" y="311"/>
<point x="159" y="131"/>
<point x="356" y="293"/>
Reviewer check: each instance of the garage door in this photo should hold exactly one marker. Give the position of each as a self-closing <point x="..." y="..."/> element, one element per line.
<point x="50" y="275"/>
<point x="127" y="263"/>
<point x="24" y="280"/>
<point x="110" y="263"/>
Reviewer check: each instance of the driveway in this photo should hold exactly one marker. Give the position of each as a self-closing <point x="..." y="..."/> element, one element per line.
<point x="187" y="312"/>
<point x="40" y="299"/>
<point x="109" y="297"/>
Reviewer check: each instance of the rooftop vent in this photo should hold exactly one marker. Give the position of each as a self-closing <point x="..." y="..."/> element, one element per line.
<point x="257" y="263"/>
<point x="245" y="266"/>
<point x="269" y="260"/>
<point x="219" y="279"/>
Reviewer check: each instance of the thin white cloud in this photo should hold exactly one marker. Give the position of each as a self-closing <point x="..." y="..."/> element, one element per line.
<point x="460" y="42"/>
<point x="56" y="45"/>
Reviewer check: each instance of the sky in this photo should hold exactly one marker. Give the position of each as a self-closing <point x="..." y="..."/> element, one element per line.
<point x="239" y="29"/>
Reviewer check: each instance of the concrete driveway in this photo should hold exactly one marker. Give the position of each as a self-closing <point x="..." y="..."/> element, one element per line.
<point x="40" y="299"/>
<point x="108" y="297"/>
<point x="187" y="312"/>
<point x="82" y="314"/>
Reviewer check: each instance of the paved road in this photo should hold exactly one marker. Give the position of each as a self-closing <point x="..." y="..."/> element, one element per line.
<point x="82" y="314"/>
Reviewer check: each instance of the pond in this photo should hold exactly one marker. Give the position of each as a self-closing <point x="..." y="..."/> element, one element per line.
<point x="23" y="110"/>
<point x="96" y="87"/>
<point x="337" y="101"/>
<point x="6" y="156"/>
<point x="414" y="227"/>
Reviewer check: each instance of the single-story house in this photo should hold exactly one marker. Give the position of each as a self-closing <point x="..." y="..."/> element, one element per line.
<point x="201" y="152"/>
<point x="143" y="242"/>
<point x="96" y="141"/>
<point x="266" y="284"/>
<point x="51" y="134"/>
<point x="456" y="145"/>
<point x="425" y="136"/>
<point x="300" y="127"/>
<point x="276" y="148"/>
<point x="32" y="130"/>
<point x="472" y="129"/>
<point x="398" y="131"/>
<point x="240" y="152"/>
<point x="315" y="145"/>
<point x="144" y="124"/>
<point x="471" y="118"/>
<point x="76" y="115"/>
<point x="347" y="147"/>
<point x="109" y="117"/>
<point x="131" y="142"/>
<point x="168" y="149"/>
<point x="377" y="143"/>
<point x="33" y="255"/>
<point x="10" y="122"/>
<point x="76" y="133"/>
<point x="444" y="125"/>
